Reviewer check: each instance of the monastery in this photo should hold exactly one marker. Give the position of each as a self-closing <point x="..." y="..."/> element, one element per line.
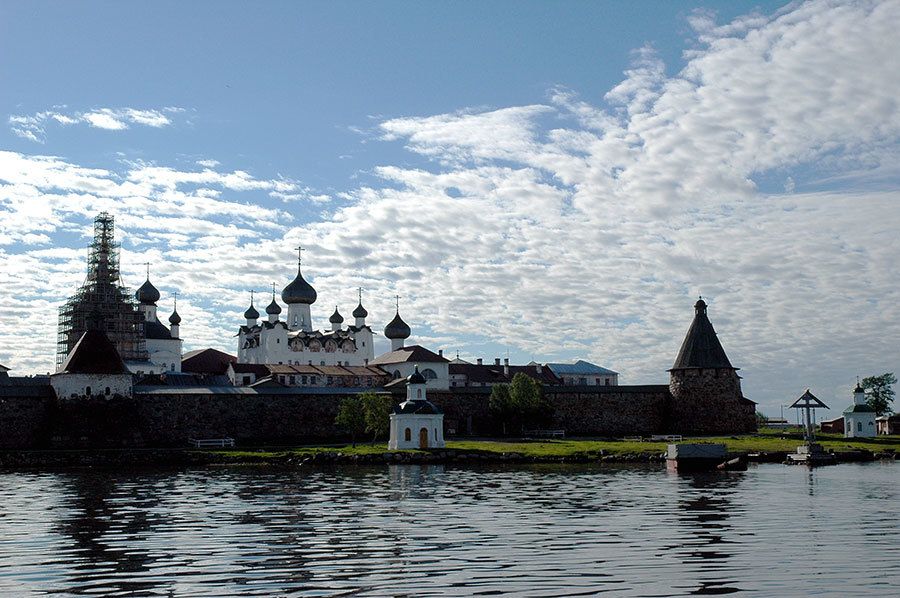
<point x="122" y="380"/>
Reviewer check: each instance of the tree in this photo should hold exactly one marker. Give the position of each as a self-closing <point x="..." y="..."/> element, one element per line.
<point x="521" y="402"/>
<point x="351" y="416"/>
<point x="501" y="405"/>
<point x="377" y="413"/>
<point x="880" y="392"/>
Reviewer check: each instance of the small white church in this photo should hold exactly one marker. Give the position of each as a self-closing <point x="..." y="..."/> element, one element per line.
<point x="859" y="418"/>
<point x="417" y="423"/>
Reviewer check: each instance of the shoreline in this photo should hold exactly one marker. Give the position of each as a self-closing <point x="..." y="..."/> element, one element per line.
<point x="187" y="457"/>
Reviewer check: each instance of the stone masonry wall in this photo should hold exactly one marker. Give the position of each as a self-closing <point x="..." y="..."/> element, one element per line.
<point x="167" y="419"/>
<point x="709" y="401"/>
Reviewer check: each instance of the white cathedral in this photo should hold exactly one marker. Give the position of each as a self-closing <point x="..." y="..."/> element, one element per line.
<point x="294" y="342"/>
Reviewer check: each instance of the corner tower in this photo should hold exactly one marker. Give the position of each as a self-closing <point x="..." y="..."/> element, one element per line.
<point x="705" y="387"/>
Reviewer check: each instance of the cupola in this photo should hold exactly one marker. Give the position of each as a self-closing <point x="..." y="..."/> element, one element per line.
<point x="147" y="294"/>
<point x="397" y="330"/>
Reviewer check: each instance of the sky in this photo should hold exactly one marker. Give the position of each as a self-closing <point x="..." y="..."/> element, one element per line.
<point x="545" y="181"/>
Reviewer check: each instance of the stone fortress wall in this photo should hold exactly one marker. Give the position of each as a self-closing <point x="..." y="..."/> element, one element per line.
<point x="170" y="417"/>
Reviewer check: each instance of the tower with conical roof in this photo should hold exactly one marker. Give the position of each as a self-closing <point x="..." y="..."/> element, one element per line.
<point x="705" y="387"/>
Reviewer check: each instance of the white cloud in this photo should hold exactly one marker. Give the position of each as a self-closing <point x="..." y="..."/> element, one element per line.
<point x="113" y="119"/>
<point x="572" y="229"/>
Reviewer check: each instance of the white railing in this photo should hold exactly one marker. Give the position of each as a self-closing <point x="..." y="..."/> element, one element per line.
<point x="211" y="442"/>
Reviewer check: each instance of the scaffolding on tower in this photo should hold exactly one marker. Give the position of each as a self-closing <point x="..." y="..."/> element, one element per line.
<point x="102" y="301"/>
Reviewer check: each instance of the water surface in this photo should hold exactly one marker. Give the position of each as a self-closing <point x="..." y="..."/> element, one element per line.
<point x="433" y="531"/>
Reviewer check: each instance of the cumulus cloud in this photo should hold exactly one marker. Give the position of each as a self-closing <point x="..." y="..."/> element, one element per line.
<point x="34" y="127"/>
<point x="573" y="228"/>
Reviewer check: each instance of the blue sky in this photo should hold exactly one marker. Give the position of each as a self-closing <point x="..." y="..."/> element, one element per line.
<point x="552" y="180"/>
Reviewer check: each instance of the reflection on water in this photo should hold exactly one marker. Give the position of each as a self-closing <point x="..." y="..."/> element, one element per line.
<point x="435" y="531"/>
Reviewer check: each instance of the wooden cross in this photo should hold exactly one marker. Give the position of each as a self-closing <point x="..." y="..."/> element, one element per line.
<point x="175" y="299"/>
<point x="397" y="299"/>
<point x="148" y="269"/>
<point x="251" y="296"/>
<point x="300" y="251"/>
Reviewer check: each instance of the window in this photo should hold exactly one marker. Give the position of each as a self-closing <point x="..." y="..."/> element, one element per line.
<point x="582" y="381"/>
<point x="107" y="391"/>
<point x="369" y="381"/>
<point x="291" y="380"/>
<point x="407" y="435"/>
<point x="356" y="381"/>
<point x="321" y="363"/>
<point x="418" y="393"/>
<point x="340" y="380"/>
<point x="429" y="374"/>
<point x="87" y="391"/>
<point x="313" y="380"/>
<point x="277" y="341"/>
<point x="858" y="425"/>
<point x="302" y="379"/>
<point x="608" y="382"/>
<point x="281" y="379"/>
<point x="329" y="380"/>
<point x="246" y="379"/>
<point x="396" y="374"/>
<point x="173" y="368"/>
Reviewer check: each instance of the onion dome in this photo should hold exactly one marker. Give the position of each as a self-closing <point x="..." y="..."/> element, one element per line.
<point x="147" y="294"/>
<point x="251" y="313"/>
<point x="299" y="291"/>
<point x="360" y="311"/>
<point x="416" y="377"/>
<point x="175" y="319"/>
<point x="273" y="309"/>
<point x="336" y="317"/>
<point x="397" y="328"/>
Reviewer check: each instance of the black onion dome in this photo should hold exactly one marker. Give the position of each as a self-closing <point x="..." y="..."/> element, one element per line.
<point x="397" y="328"/>
<point x="147" y="293"/>
<point x="273" y="308"/>
<point x="175" y="319"/>
<point x="299" y="291"/>
<point x="336" y="317"/>
<point x="360" y="311"/>
<point x="416" y="377"/>
<point x="251" y="313"/>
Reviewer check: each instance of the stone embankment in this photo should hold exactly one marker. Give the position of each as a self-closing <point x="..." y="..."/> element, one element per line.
<point x="188" y="457"/>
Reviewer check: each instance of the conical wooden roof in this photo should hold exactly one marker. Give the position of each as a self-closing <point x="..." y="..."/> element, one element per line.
<point x="701" y="347"/>
<point x="94" y="353"/>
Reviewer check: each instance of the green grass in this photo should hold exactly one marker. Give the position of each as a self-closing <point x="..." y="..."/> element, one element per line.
<point x="765" y="440"/>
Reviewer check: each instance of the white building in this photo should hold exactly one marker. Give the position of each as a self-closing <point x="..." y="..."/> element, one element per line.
<point x="417" y="422"/>
<point x="93" y="368"/>
<point x="163" y="344"/>
<point x="859" y="418"/>
<point x="294" y="342"/>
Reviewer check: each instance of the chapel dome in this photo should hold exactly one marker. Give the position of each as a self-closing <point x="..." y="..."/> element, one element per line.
<point x="397" y="328"/>
<point x="273" y="309"/>
<point x="416" y="377"/>
<point x="336" y="317"/>
<point x="175" y="319"/>
<point x="147" y="293"/>
<point x="251" y="313"/>
<point x="360" y="311"/>
<point x="298" y="291"/>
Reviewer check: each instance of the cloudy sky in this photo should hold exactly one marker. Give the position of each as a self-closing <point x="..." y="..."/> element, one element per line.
<point x="545" y="180"/>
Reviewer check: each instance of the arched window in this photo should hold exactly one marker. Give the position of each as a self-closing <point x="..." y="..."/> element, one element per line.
<point x="396" y="374"/>
<point x="87" y="391"/>
<point x="418" y="393"/>
<point x="429" y="374"/>
<point x="107" y="391"/>
<point x="408" y="435"/>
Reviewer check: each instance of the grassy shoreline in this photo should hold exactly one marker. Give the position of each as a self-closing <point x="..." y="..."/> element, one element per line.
<point x="765" y="441"/>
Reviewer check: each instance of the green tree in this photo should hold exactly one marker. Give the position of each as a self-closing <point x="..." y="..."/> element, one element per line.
<point x="501" y="405"/>
<point x="520" y="403"/>
<point x="378" y="413"/>
<point x="527" y="396"/>
<point x="880" y="392"/>
<point x="351" y="416"/>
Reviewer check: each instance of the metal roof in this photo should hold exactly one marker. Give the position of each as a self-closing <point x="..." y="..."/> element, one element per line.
<point x="579" y="367"/>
